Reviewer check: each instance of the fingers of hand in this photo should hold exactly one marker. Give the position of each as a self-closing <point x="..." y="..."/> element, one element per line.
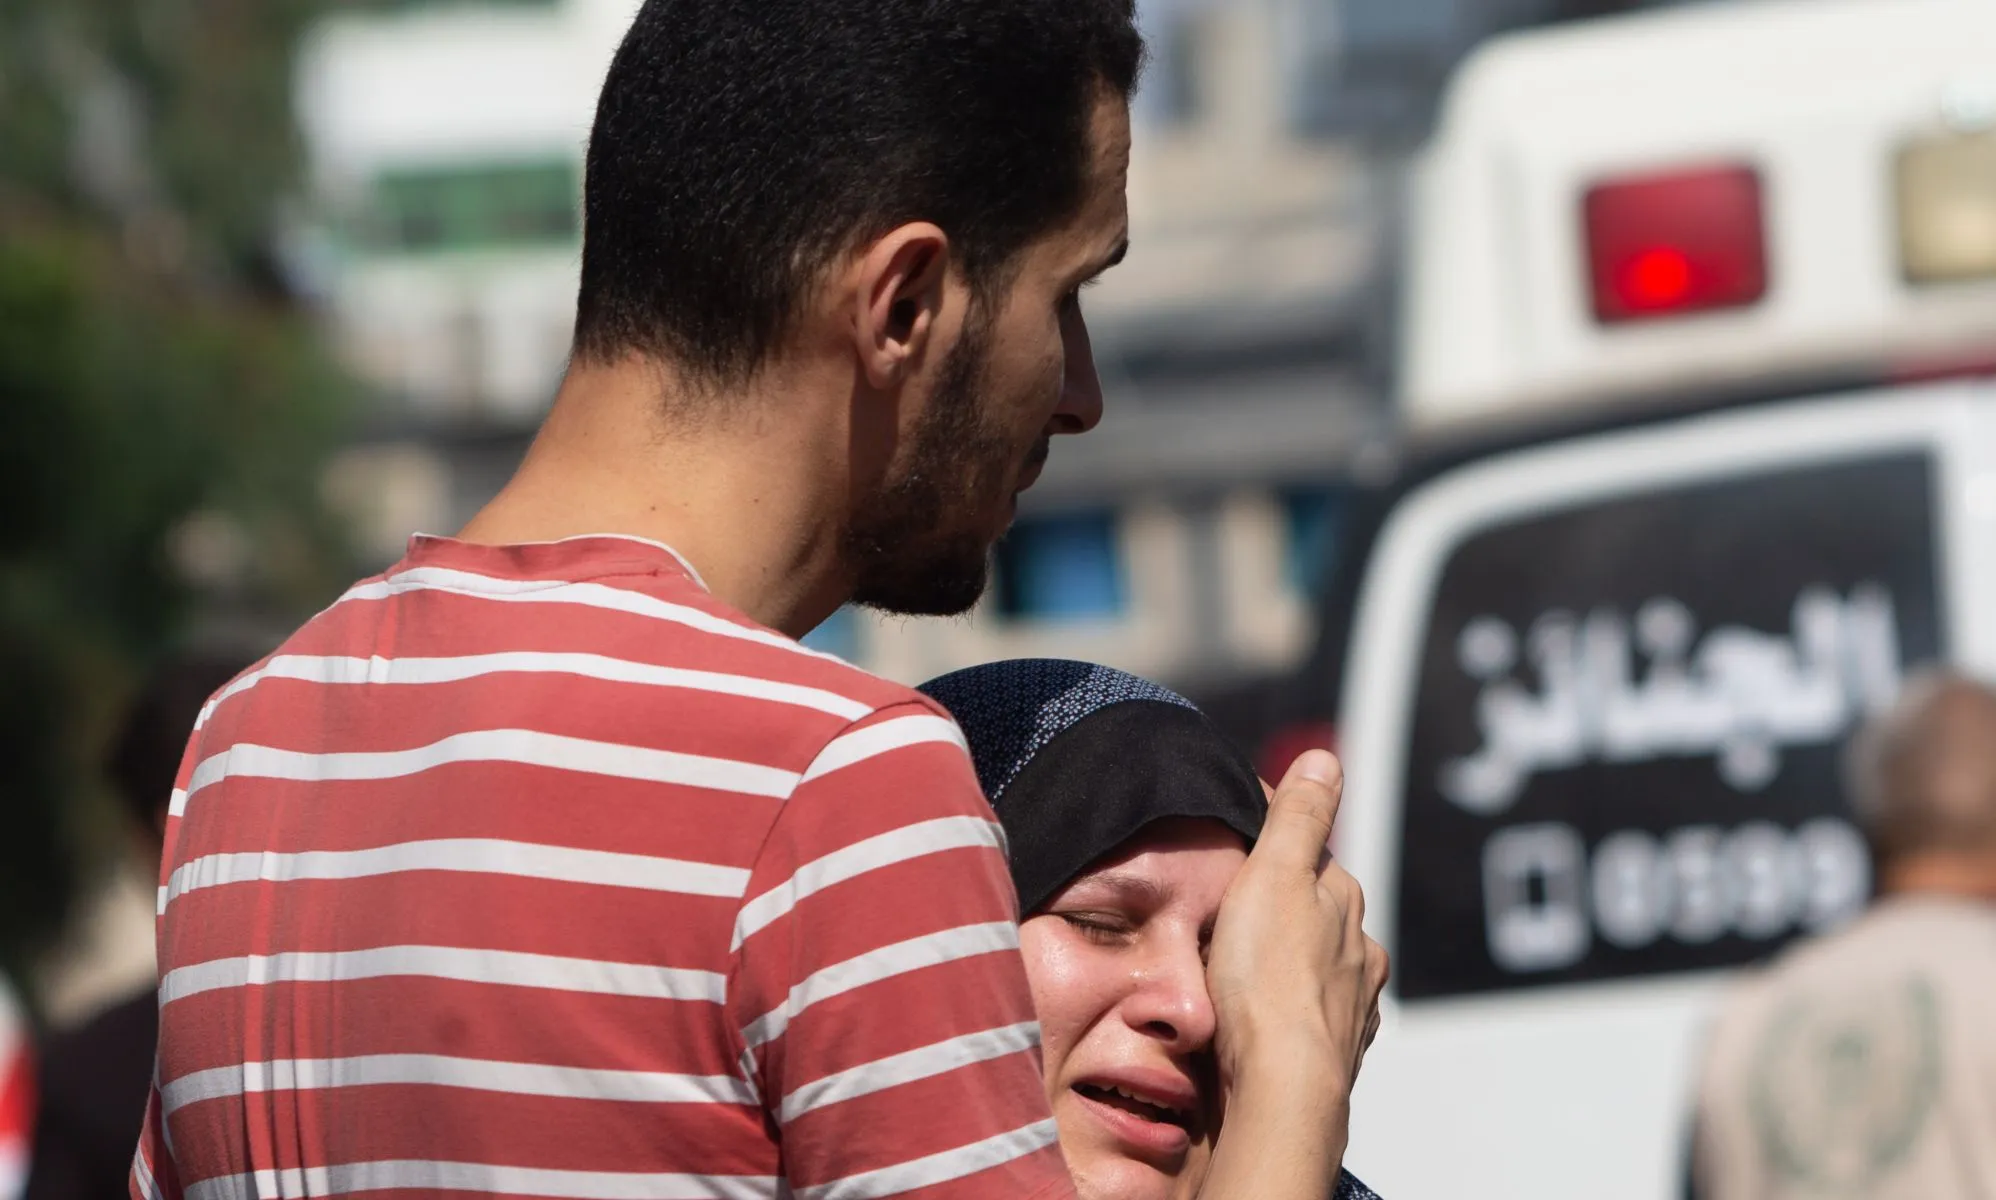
<point x="1345" y="899"/>
<point x="1378" y="968"/>
<point x="1371" y="1032"/>
<point x="1302" y="812"/>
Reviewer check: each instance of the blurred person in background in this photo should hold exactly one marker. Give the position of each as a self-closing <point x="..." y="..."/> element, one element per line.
<point x="93" y="1077"/>
<point x="1863" y="1063"/>
<point x="548" y="863"/>
<point x="1127" y="816"/>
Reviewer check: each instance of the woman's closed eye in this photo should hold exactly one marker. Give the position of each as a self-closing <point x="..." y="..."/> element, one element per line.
<point x="1102" y="928"/>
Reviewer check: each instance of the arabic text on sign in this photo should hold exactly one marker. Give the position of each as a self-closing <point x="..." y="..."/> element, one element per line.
<point x="1737" y="693"/>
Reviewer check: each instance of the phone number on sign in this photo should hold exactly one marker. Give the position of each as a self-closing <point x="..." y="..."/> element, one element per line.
<point x="1546" y="897"/>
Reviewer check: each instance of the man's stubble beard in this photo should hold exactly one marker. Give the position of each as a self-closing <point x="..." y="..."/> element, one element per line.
<point x="914" y="546"/>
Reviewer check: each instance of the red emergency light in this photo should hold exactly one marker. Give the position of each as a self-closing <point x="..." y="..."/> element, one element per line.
<point x="1667" y="244"/>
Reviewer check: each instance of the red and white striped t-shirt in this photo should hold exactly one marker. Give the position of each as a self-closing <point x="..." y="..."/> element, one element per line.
<point x="535" y="870"/>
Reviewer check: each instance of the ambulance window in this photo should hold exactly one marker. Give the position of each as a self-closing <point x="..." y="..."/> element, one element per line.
<point x="1625" y="752"/>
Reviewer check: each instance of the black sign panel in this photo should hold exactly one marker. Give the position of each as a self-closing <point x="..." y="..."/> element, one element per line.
<point x="1625" y="757"/>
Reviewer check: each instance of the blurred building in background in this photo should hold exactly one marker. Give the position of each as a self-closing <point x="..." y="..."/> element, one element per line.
<point x="446" y="143"/>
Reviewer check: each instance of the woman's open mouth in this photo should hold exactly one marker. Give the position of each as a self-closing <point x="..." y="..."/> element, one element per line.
<point x="1141" y="1118"/>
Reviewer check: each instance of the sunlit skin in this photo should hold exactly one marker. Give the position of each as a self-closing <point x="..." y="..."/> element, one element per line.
<point x="1117" y="964"/>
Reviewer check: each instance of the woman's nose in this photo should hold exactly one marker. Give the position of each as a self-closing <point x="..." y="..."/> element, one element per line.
<point x="1170" y="1003"/>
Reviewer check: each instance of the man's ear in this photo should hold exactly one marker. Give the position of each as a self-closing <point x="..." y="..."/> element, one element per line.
<point x="900" y="296"/>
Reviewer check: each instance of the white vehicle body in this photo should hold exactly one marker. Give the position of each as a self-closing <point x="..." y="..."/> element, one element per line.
<point x="1597" y="684"/>
<point x="1817" y="95"/>
<point x="1580" y="1089"/>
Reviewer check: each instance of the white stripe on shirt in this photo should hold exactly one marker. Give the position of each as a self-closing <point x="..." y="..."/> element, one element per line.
<point x="525" y="746"/>
<point x="924" y="1063"/>
<point x="899" y="958"/>
<point x="165" y="1130"/>
<point x="491" y="856"/>
<point x="937" y="1168"/>
<point x="328" y="669"/>
<point x="882" y="850"/>
<point x="895" y="734"/>
<point x="514" y="1078"/>
<point x="426" y="1175"/>
<point x="142" y="1172"/>
<point x="507" y="967"/>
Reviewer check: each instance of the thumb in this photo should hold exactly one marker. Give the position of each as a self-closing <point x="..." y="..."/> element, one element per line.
<point x="1301" y="813"/>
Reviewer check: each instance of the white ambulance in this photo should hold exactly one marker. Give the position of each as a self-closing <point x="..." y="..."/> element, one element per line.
<point x="1698" y="342"/>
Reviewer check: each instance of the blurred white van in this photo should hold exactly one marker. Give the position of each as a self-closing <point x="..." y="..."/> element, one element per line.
<point x="1701" y="198"/>
<point x="1700" y="315"/>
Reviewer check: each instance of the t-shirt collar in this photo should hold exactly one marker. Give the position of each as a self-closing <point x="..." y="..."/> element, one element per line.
<point x="595" y="552"/>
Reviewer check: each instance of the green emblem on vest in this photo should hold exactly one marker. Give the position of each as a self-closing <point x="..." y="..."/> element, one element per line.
<point x="1842" y="1086"/>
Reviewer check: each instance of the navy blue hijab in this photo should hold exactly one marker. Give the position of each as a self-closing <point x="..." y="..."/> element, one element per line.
<point x="1078" y="758"/>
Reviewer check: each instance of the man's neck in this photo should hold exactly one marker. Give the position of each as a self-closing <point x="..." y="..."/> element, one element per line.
<point x="753" y="503"/>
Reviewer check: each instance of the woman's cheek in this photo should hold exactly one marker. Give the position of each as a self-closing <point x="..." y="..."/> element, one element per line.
<point x="1057" y="971"/>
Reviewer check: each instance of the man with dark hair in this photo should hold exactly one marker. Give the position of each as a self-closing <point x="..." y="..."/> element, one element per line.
<point x="548" y="863"/>
<point x="847" y="239"/>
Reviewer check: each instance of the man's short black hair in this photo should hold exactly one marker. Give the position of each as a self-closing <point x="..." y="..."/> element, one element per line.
<point x="740" y="145"/>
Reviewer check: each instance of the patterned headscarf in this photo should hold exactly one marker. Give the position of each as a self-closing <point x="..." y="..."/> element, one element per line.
<point x="1076" y="758"/>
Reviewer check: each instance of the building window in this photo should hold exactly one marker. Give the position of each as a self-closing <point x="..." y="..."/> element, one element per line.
<point x="1314" y="520"/>
<point x="1061" y="568"/>
<point x="477" y="207"/>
